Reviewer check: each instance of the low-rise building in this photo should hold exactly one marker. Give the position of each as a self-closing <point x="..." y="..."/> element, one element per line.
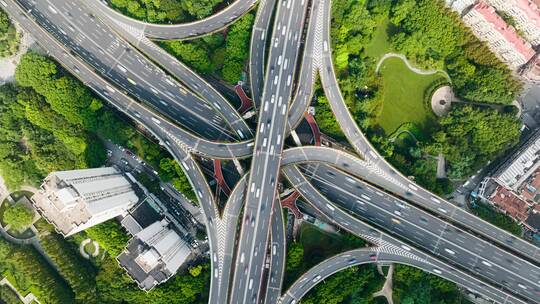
<point x="518" y="168"/>
<point x="509" y="203"/>
<point x="154" y="255"/>
<point x="525" y="15"/>
<point x="76" y="200"/>
<point x="501" y="38"/>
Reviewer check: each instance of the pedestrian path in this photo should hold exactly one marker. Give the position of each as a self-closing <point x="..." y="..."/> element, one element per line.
<point x="409" y="65"/>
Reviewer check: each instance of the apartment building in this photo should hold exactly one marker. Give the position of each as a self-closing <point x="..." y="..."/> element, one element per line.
<point x="501" y="38"/>
<point x="524" y="14"/>
<point x="76" y="200"/>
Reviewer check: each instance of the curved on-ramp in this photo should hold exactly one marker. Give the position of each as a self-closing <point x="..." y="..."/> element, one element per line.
<point x="418" y="194"/>
<point x="197" y="28"/>
<point x="392" y="245"/>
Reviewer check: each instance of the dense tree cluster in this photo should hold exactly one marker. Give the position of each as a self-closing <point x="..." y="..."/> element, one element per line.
<point x="205" y="55"/>
<point x="76" y="271"/>
<point x="468" y="137"/>
<point x="352" y="285"/>
<point x="48" y="123"/>
<point x="433" y="36"/>
<point x="76" y="280"/>
<point x="496" y="218"/>
<point x="115" y="287"/>
<point x="53" y="122"/>
<point x="28" y="271"/>
<point x="160" y="11"/>
<point x="110" y="236"/>
<point x="8" y="296"/>
<point x="353" y="24"/>
<point x="18" y="216"/>
<point x="295" y="257"/>
<point x="222" y="54"/>
<point x="172" y="172"/>
<point x="412" y="285"/>
<point x="237" y="48"/>
<point x="9" y="38"/>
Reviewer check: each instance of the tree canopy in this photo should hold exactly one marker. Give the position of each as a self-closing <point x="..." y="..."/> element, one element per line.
<point x="166" y="11"/>
<point x="351" y="285"/>
<point x="434" y="37"/>
<point x="431" y="36"/>
<point x="412" y="286"/>
<point x="9" y="37"/>
<point x="18" y="216"/>
<point x="223" y="53"/>
<point x="52" y="122"/>
<point x="110" y="236"/>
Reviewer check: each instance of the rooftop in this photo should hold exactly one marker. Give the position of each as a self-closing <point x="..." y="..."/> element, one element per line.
<point x="507" y="31"/>
<point x="530" y="8"/>
<point x="522" y="164"/>
<point x="75" y="200"/>
<point x="509" y="202"/>
<point x="154" y="255"/>
<point x="530" y="189"/>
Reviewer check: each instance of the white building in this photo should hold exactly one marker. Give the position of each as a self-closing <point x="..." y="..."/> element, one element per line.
<point x="459" y="5"/>
<point x="526" y="15"/>
<point x="76" y="200"/>
<point x="154" y="255"/>
<point x="501" y="38"/>
<point x="524" y="162"/>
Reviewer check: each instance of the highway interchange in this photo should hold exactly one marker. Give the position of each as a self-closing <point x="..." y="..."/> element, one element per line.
<point x="114" y="56"/>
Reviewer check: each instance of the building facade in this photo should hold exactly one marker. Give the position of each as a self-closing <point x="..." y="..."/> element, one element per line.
<point x="501" y="38"/>
<point x="525" y="15"/>
<point x="154" y="255"/>
<point x="76" y="200"/>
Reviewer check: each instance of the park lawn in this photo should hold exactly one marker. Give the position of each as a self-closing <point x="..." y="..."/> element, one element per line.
<point x="379" y="44"/>
<point x="403" y="97"/>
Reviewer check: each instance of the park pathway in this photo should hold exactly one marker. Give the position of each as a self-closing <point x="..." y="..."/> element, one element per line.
<point x="409" y="65"/>
<point x="386" y="290"/>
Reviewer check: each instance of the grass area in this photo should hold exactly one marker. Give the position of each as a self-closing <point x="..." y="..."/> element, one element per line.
<point x="16" y="196"/>
<point x="379" y="44"/>
<point x="403" y="99"/>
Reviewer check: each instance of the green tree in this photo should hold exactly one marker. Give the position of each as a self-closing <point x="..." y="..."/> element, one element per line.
<point x="341" y="286"/>
<point x="9" y="38"/>
<point x="414" y="286"/>
<point x="166" y="11"/>
<point x="195" y="271"/>
<point x="5" y="249"/>
<point x="110" y="236"/>
<point x="78" y="272"/>
<point x="18" y="216"/>
<point x="295" y="256"/>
